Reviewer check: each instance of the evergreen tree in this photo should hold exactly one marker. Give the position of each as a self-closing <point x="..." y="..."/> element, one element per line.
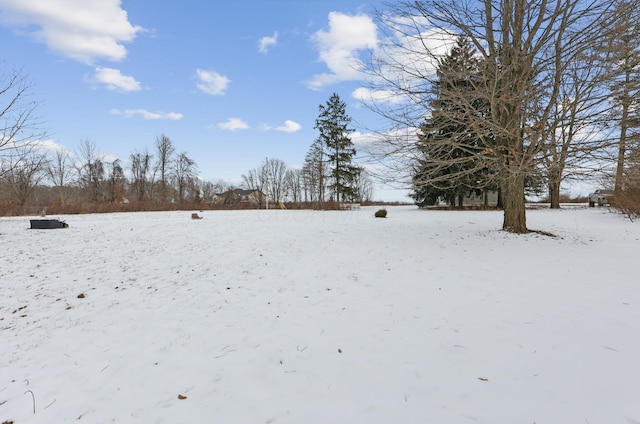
<point x="451" y="165"/>
<point x="522" y="71"/>
<point x="333" y="125"/>
<point x="313" y="173"/>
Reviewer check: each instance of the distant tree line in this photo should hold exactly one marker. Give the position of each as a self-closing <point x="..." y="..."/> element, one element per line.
<point x="34" y="177"/>
<point x="511" y="96"/>
<point x="62" y="179"/>
<point x="328" y="173"/>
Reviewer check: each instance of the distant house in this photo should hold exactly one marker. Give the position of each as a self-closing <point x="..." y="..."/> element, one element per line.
<point x="240" y="196"/>
<point x="488" y="198"/>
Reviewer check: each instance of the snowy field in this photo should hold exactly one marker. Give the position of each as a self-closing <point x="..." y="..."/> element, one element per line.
<point x="321" y="317"/>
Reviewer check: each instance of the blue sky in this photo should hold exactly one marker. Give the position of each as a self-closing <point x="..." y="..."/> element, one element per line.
<point x="231" y="83"/>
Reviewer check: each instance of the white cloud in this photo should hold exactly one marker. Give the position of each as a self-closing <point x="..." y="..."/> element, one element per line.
<point x="233" y="124"/>
<point x="368" y="95"/>
<point x="212" y="82"/>
<point x="359" y="139"/>
<point x="288" y="127"/>
<point x="114" y="80"/>
<point x="84" y="30"/>
<point x="410" y="56"/>
<point x="51" y="146"/>
<point x="266" y="42"/>
<point x="339" y="46"/>
<point x="130" y="113"/>
<point x="405" y="61"/>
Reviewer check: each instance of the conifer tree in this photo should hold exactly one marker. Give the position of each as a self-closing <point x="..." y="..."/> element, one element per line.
<point x="520" y="67"/>
<point x="333" y="125"/>
<point x="451" y="165"/>
<point x="313" y="173"/>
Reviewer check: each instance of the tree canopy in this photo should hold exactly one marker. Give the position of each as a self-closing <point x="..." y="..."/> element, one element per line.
<point x="521" y="70"/>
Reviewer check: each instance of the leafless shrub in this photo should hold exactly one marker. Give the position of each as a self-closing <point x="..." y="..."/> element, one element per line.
<point x="627" y="201"/>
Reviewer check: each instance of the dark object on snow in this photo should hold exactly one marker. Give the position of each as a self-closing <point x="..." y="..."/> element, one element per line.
<point x="381" y="213"/>
<point x="47" y="224"/>
<point x="195" y="216"/>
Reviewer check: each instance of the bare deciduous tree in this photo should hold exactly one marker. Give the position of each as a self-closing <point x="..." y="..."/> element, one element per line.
<point x="519" y="65"/>
<point x="207" y="191"/>
<point x="164" y="150"/>
<point x="24" y="174"/>
<point x="294" y="185"/>
<point x="622" y="53"/>
<point x="577" y="124"/>
<point x="19" y="125"/>
<point x="275" y="173"/>
<point x="90" y="170"/>
<point x="59" y="171"/>
<point x="140" y="172"/>
<point x="116" y="182"/>
<point x="256" y="179"/>
<point x="364" y="187"/>
<point x="185" y="170"/>
<point x="221" y="186"/>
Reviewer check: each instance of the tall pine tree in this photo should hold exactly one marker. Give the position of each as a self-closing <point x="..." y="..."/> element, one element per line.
<point x="451" y="165"/>
<point x="333" y="126"/>
<point x="313" y="173"/>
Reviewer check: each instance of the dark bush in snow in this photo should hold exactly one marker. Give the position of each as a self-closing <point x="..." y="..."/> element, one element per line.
<point x="381" y="213"/>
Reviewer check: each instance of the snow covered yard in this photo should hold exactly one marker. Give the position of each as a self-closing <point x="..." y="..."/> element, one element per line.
<point x="321" y="317"/>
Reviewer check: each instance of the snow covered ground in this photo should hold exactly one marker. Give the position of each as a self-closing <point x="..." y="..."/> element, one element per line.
<point x="321" y="317"/>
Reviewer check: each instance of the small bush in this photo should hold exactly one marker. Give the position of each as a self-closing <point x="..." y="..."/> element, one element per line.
<point x="628" y="202"/>
<point x="381" y="213"/>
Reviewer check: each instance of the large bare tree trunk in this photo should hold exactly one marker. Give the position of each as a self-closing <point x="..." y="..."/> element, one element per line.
<point x="553" y="185"/>
<point x="554" y="194"/>
<point x="626" y="86"/>
<point x="515" y="220"/>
